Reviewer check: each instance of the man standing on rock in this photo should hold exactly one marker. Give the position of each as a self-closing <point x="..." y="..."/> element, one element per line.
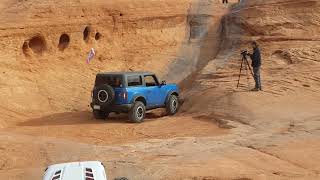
<point x="256" y="64"/>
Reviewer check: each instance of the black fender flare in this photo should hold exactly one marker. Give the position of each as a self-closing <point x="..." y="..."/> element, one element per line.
<point x="169" y="94"/>
<point x="144" y="100"/>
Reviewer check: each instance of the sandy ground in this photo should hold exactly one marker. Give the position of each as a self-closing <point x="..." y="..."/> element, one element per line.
<point x="115" y="130"/>
<point x="221" y="132"/>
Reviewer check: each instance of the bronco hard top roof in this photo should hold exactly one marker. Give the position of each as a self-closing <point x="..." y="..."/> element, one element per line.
<point x="93" y="170"/>
<point x="125" y="73"/>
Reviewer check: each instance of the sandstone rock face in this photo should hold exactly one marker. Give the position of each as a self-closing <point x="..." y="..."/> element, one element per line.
<point x="44" y="45"/>
<point x="288" y="33"/>
<point x="275" y="20"/>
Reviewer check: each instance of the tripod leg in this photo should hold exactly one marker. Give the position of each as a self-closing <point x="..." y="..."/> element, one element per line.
<point x="240" y="73"/>
<point x="249" y="67"/>
<point x="248" y="78"/>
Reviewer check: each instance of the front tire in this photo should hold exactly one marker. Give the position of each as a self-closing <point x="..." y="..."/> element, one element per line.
<point x="172" y="105"/>
<point x="97" y="114"/>
<point x="137" y="112"/>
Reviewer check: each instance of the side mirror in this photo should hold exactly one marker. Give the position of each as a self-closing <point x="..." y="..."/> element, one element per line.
<point x="163" y="83"/>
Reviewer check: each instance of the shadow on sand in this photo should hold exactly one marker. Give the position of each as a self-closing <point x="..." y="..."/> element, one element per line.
<point x="81" y="117"/>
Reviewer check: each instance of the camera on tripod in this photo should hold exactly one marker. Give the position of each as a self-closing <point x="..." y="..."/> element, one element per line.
<point x="244" y="53"/>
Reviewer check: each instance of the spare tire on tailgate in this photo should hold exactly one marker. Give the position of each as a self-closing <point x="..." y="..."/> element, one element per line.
<point x="104" y="95"/>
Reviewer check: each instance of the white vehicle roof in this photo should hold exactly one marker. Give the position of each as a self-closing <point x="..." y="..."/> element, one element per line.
<point x="89" y="170"/>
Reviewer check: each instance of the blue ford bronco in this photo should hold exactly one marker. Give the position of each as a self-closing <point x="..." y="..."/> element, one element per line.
<point x="132" y="93"/>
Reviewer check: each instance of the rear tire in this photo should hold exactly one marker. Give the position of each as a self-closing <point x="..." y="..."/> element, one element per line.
<point x="137" y="112"/>
<point x="172" y="105"/>
<point x="97" y="114"/>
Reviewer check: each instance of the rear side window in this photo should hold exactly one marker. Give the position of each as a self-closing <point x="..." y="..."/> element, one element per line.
<point x="150" y="80"/>
<point x="112" y="80"/>
<point x="134" y="80"/>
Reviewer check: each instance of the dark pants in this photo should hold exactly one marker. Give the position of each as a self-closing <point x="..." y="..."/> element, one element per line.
<point x="256" y="76"/>
<point x="225" y="1"/>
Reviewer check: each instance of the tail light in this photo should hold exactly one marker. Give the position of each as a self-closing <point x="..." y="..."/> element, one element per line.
<point x="124" y="95"/>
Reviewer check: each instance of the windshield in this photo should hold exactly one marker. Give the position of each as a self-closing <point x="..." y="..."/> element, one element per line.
<point x="112" y="80"/>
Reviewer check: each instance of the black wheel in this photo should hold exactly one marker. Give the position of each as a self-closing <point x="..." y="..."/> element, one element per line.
<point x="172" y="105"/>
<point x="97" y="114"/>
<point x="137" y="112"/>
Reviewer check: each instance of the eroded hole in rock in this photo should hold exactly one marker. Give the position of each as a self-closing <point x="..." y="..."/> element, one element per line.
<point x="86" y="33"/>
<point x="64" y="41"/>
<point x="38" y="44"/>
<point x="97" y="36"/>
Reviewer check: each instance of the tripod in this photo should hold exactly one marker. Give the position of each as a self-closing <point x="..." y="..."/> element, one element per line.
<point x="244" y="60"/>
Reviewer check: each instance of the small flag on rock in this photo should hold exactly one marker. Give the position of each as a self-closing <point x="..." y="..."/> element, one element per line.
<point x="91" y="55"/>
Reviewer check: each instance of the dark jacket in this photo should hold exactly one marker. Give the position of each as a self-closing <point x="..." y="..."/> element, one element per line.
<point x="256" y="58"/>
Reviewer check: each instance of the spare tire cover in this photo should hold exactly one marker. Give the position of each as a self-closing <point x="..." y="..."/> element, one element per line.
<point x="104" y="95"/>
